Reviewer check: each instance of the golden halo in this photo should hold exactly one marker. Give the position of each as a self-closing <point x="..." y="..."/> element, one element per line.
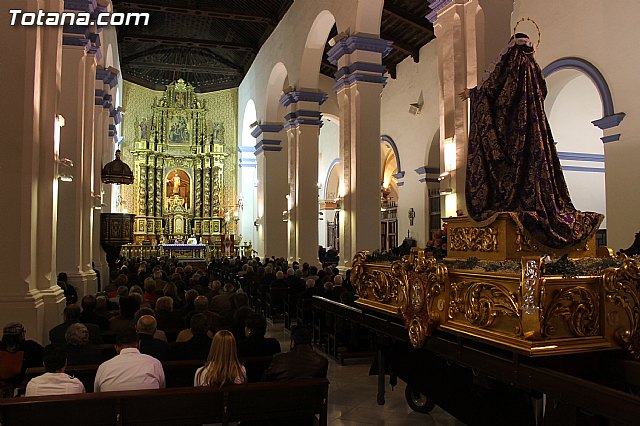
<point x="534" y="23"/>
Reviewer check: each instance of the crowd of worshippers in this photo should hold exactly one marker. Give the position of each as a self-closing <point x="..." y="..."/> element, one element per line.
<point x="157" y="310"/>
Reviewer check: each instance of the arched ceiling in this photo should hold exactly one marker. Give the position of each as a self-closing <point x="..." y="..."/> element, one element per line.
<point x="211" y="44"/>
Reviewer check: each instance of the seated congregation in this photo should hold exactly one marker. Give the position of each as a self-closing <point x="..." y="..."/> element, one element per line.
<point x="180" y="328"/>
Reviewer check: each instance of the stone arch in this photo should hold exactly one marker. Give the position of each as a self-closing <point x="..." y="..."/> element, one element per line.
<point x="610" y="118"/>
<point x="368" y="17"/>
<point x="314" y="49"/>
<point x="277" y="81"/>
<point x="385" y="139"/>
<point x="108" y="59"/>
<point x="332" y="179"/>
<point x="572" y="104"/>
<point x="249" y="117"/>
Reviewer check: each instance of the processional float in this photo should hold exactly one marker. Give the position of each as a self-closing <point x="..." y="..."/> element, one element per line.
<point x="498" y="301"/>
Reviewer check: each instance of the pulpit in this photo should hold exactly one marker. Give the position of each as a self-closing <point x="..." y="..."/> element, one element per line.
<point x="116" y="230"/>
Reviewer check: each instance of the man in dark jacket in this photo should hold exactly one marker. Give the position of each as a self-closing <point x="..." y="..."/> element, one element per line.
<point x="199" y="345"/>
<point x="300" y="361"/>
<point x="146" y="327"/>
<point x="71" y="316"/>
<point x="256" y="345"/>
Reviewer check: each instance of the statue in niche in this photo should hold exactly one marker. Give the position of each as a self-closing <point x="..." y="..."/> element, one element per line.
<point x="217" y="131"/>
<point x="144" y="129"/>
<point x="180" y="100"/>
<point x="176" y="183"/>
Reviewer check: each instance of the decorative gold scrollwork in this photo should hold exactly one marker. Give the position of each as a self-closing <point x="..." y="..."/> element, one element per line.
<point x="579" y="307"/>
<point x="481" y="302"/>
<point x="417" y="332"/>
<point x="373" y="284"/>
<point x="474" y="239"/>
<point x="420" y="281"/>
<point x="621" y="289"/>
<point x="358" y="273"/>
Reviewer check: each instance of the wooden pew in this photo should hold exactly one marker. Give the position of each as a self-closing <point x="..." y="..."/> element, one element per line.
<point x="174" y="407"/>
<point x="177" y="373"/>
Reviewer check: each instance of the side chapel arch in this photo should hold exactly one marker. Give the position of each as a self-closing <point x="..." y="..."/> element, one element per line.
<point x="610" y="117"/>
<point x="314" y="49"/>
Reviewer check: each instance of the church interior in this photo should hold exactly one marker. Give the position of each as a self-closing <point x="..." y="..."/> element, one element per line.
<point x="313" y="131"/>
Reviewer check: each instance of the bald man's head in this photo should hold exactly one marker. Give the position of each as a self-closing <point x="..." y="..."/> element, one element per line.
<point x="146" y="325"/>
<point x="201" y="303"/>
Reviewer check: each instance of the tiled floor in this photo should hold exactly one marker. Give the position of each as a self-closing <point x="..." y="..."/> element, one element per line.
<point x="352" y="396"/>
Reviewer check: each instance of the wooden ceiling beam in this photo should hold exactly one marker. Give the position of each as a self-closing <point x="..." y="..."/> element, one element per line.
<point x="200" y="10"/>
<point x="142" y="53"/>
<point x="332" y="67"/>
<point x="397" y="13"/>
<point x="199" y="69"/>
<point x="412" y="51"/>
<point x="188" y="42"/>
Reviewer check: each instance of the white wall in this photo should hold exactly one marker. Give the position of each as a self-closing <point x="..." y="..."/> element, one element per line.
<point x="413" y="134"/>
<point x="248" y="176"/>
<point x="328" y="151"/>
<point x="572" y="104"/>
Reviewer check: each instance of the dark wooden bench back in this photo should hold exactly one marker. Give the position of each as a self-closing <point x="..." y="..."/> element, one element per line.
<point x="177" y="373"/>
<point x="173" y="407"/>
<point x="300" y="398"/>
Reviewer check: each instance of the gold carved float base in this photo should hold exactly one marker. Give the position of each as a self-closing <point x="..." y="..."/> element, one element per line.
<point x="530" y="313"/>
<point x="502" y="240"/>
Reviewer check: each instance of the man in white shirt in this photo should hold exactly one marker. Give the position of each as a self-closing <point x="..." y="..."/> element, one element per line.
<point x="129" y="370"/>
<point x="54" y="381"/>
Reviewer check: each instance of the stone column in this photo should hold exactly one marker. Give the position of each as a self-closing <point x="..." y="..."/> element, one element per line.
<point x="89" y="283"/>
<point x="470" y="36"/>
<point x="272" y="189"/>
<point x="29" y="293"/>
<point x="359" y="82"/>
<point x="105" y="114"/>
<point x="303" y="130"/>
<point x="70" y="202"/>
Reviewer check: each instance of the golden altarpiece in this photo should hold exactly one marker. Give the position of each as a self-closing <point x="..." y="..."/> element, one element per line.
<point x="179" y="168"/>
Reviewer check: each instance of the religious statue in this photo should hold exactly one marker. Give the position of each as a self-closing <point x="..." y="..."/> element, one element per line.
<point x="180" y="100"/>
<point x="217" y="131"/>
<point x="144" y="129"/>
<point x="176" y="183"/>
<point x="512" y="162"/>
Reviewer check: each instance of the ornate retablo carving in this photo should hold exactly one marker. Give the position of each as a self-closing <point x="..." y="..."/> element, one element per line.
<point x="474" y="239"/>
<point x="180" y="131"/>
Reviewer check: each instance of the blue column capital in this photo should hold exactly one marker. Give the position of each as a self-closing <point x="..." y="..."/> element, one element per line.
<point x="366" y="72"/>
<point x="303" y="96"/>
<point x="266" y="128"/>
<point x="436" y="6"/>
<point x="356" y="42"/>
<point x="107" y="76"/>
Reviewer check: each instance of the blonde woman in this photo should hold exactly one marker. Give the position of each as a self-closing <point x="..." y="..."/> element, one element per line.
<point x="222" y="367"/>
